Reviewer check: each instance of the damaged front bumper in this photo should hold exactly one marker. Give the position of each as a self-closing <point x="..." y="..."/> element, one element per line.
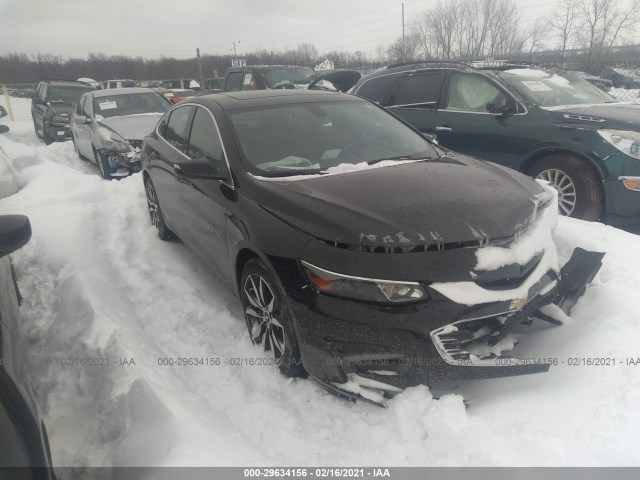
<point x="123" y="163"/>
<point x="373" y="352"/>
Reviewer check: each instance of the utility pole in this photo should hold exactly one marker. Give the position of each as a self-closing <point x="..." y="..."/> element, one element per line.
<point x="234" y="50"/>
<point x="404" y="50"/>
<point x="200" y="77"/>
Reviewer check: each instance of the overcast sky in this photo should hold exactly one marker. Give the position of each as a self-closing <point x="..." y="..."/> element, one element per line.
<point x="150" y="28"/>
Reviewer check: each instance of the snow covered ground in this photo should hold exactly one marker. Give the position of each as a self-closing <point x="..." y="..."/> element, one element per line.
<point x="98" y="283"/>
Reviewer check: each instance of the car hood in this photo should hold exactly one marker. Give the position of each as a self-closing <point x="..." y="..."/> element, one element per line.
<point x="619" y="115"/>
<point x="132" y="127"/>
<point x="409" y="204"/>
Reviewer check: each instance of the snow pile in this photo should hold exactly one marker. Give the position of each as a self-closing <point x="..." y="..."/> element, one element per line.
<point x="98" y="283"/>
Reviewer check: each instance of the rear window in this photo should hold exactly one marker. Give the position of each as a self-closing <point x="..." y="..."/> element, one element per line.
<point x="376" y="88"/>
<point x="69" y="95"/>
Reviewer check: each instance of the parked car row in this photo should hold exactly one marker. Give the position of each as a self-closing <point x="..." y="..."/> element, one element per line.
<point x="296" y="195"/>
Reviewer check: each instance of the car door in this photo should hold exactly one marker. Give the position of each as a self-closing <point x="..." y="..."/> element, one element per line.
<point x="204" y="201"/>
<point x="417" y="97"/>
<point x="477" y="117"/>
<point x="39" y="107"/>
<point x="165" y="150"/>
<point x="82" y="131"/>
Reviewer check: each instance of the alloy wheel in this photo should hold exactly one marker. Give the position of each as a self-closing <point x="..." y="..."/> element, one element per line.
<point x="262" y="317"/>
<point x="152" y="203"/>
<point x="565" y="187"/>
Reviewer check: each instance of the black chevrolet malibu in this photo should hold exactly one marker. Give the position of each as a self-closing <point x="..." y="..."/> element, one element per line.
<point x="364" y="255"/>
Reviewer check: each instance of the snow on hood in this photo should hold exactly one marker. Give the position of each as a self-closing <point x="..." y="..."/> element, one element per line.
<point x="338" y="170"/>
<point x="132" y="127"/>
<point x="527" y="72"/>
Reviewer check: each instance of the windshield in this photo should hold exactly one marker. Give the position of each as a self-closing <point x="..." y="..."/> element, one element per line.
<point x="310" y="138"/>
<point x="275" y="77"/>
<point x="130" y="104"/>
<point x="555" y="89"/>
<point x="68" y="95"/>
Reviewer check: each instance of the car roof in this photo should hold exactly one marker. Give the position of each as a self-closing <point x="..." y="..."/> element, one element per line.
<point x="121" y="91"/>
<point x="68" y="83"/>
<point x="260" y="98"/>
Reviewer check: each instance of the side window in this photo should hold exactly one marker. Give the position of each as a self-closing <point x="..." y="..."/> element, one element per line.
<point x="177" y="126"/>
<point x="234" y="81"/>
<point x="204" y="141"/>
<point x="420" y="89"/>
<point x="473" y="93"/>
<point x="162" y="125"/>
<point x="43" y="93"/>
<point x="376" y="88"/>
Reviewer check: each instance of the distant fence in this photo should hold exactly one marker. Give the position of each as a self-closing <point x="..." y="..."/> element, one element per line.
<point x="626" y="95"/>
<point x="17" y="102"/>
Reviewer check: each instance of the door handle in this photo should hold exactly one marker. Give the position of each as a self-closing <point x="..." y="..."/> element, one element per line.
<point x="443" y="128"/>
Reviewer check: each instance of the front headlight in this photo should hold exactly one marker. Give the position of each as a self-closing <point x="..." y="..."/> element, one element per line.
<point x="626" y="141"/>
<point x="113" y="142"/>
<point x="62" y="119"/>
<point x="117" y="146"/>
<point x="359" y="288"/>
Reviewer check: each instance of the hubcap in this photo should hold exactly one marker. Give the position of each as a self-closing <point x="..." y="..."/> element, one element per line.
<point x="152" y="202"/>
<point x="264" y="326"/>
<point x="565" y="187"/>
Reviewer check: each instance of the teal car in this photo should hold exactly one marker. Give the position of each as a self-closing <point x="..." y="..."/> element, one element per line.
<point x="549" y="124"/>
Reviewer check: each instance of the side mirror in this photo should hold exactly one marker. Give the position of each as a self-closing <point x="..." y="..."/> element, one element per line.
<point x="200" y="168"/>
<point x="432" y="137"/>
<point x="37" y="100"/>
<point x="15" y="233"/>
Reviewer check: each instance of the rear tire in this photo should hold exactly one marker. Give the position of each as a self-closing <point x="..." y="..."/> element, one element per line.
<point x="268" y="320"/>
<point x="579" y="187"/>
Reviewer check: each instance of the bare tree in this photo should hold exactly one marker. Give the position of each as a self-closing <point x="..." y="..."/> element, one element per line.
<point x="537" y="33"/>
<point x="564" y="23"/>
<point x="470" y="28"/>
<point x="604" y="23"/>
<point x="397" y="52"/>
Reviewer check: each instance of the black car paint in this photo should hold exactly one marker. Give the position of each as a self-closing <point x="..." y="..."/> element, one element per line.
<point x="281" y="221"/>
<point x="23" y="440"/>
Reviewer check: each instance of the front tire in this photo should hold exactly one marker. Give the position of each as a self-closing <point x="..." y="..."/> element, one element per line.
<point x="103" y="164"/>
<point x="48" y="140"/>
<point x="268" y="320"/>
<point x="155" y="213"/>
<point x="579" y="187"/>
